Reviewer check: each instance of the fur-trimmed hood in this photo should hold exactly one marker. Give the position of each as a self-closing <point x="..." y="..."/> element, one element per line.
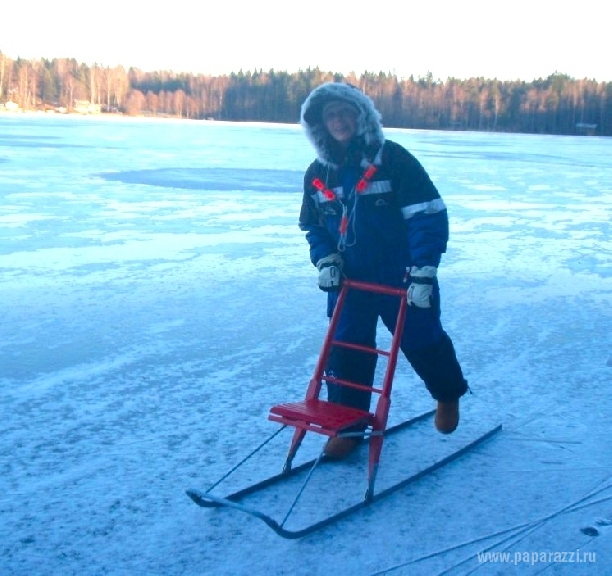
<point x="369" y="133"/>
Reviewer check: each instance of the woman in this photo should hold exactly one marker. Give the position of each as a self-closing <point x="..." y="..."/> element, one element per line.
<point x="371" y="213"/>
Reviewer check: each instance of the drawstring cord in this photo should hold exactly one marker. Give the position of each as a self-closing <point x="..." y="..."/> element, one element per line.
<point x="347" y="218"/>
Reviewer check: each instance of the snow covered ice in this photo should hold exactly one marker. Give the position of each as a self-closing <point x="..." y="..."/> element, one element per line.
<point x="156" y="299"/>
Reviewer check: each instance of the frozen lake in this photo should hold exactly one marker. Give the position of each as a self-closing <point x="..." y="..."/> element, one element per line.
<point x="157" y="298"/>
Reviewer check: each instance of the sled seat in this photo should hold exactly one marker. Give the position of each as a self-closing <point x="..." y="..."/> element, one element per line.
<point x="319" y="416"/>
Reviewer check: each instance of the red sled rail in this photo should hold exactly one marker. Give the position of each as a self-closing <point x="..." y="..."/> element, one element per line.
<point x="315" y="415"/>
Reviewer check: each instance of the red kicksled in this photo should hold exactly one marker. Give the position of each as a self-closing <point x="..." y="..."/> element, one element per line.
<point x="313" y="414"/>
<point x="316" y="415"/>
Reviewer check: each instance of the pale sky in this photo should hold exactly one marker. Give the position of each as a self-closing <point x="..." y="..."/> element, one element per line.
<point x="523" y="39"/>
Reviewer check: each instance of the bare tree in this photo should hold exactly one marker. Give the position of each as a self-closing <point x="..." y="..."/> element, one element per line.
<point x="135" y="102"/>
<point x="152" y="102"/>
<point x="2" y="67"/>
<point x="178" y="101"/>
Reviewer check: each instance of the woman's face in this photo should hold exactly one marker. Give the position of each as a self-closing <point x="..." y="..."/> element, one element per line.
<point x="340" y="119"/>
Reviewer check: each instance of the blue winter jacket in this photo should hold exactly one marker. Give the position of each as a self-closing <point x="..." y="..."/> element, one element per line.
<point x="394" y="215"/>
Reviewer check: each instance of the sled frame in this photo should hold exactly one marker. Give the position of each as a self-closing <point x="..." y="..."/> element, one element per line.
<point x="334" y="420"/>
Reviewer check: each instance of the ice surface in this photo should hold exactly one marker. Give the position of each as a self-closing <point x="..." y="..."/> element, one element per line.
<point x="156" y="299"/>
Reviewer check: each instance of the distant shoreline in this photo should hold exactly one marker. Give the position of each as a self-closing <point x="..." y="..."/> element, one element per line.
<point x="114" y="117"/>
<point x="104" y="115"/>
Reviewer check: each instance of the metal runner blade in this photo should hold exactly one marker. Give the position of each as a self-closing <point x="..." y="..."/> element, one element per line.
<point x="208" y="500"/>
<point x="238" y="495"/>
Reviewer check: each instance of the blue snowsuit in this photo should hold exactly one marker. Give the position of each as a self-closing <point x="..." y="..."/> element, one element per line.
<point x="395" y="219"/>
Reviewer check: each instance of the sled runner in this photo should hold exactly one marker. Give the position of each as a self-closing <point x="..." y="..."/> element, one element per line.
<point x="319" y="416"/>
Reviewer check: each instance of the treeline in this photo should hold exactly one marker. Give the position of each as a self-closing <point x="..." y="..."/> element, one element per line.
<point x="558" y="104"/>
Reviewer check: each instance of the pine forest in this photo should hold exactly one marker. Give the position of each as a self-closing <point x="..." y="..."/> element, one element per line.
<point x="558" y="104"/>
